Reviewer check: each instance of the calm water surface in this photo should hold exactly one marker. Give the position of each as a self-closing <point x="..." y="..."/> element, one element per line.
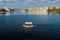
<point x="45" y="26"/>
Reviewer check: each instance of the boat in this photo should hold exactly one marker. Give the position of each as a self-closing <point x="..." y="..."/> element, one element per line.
<point x="28" y="25"/>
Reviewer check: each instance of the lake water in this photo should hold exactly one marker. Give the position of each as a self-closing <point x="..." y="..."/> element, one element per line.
<point x="46" y="27"/>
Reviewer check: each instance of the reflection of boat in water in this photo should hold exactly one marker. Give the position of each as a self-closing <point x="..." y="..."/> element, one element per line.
<point x="28" y="25"/>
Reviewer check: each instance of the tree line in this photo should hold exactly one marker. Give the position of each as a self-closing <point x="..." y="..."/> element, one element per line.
<point x="53" y="10"/>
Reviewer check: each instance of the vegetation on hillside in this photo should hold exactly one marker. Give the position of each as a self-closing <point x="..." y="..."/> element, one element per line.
<point x="2" y="10"/>
<point x="53" y="10"/>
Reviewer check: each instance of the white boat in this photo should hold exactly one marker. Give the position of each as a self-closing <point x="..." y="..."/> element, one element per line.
<point x="28" y="25"/>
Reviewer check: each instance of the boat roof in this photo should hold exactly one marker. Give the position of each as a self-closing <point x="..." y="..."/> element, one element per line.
<point x="28" y="22"/>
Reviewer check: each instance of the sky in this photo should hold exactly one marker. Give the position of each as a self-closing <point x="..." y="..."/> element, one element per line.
<point x="28" y="3"/>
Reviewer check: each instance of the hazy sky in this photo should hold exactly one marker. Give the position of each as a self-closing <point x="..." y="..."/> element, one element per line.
<point x="28" y="3"/>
